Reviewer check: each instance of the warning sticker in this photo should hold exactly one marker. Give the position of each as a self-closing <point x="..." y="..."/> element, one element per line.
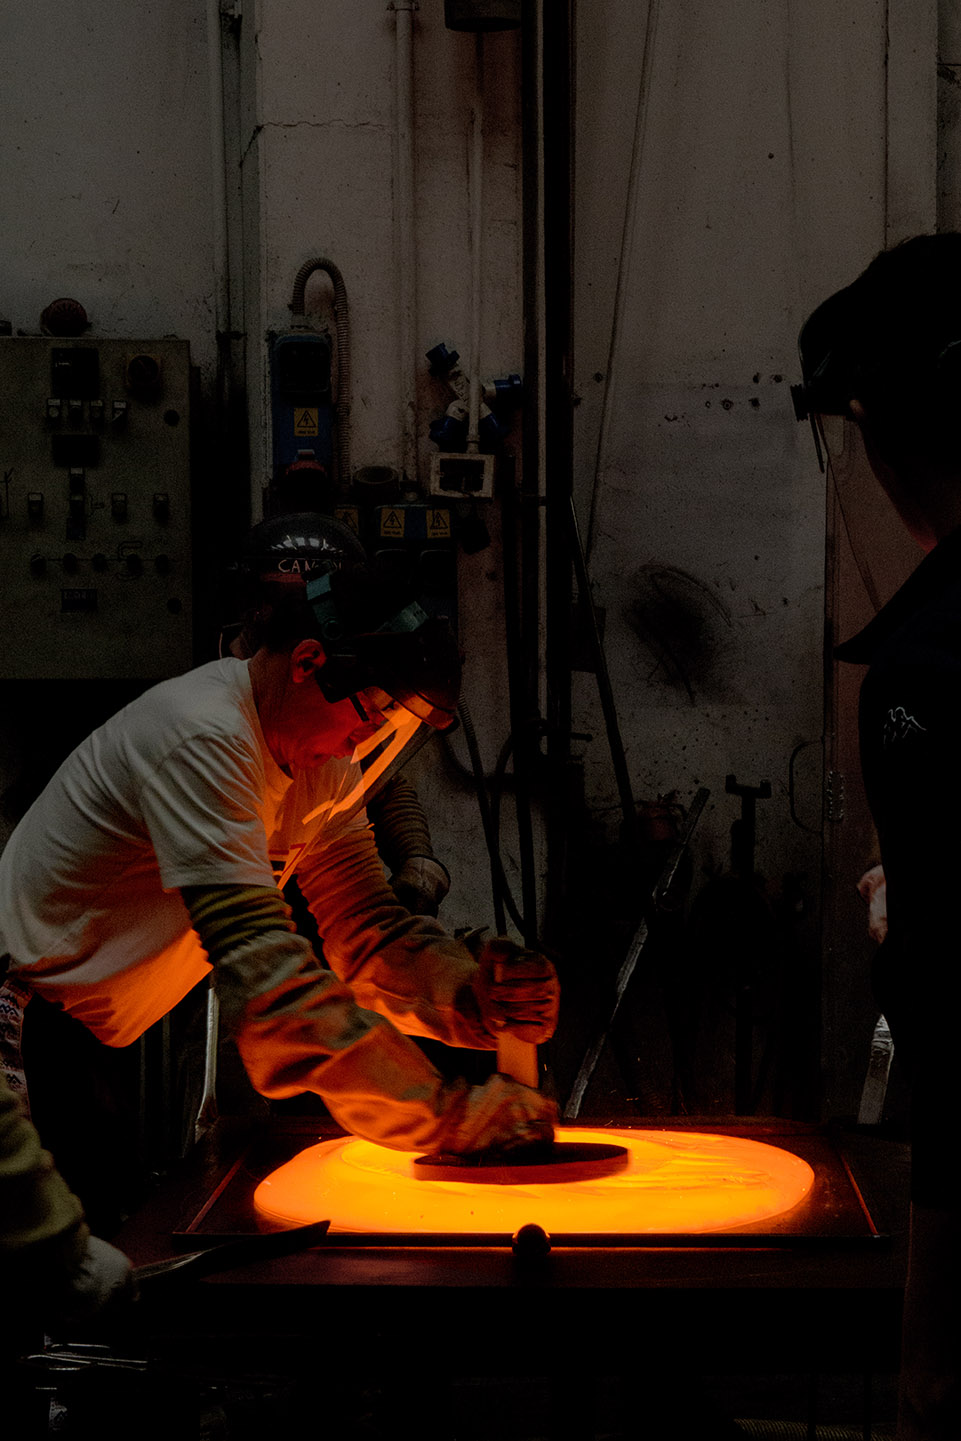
<point x="348" y="515"/>
<point x="392" y="523"/>
<point x="305" y="420"/>
<point x="438" y="525"/>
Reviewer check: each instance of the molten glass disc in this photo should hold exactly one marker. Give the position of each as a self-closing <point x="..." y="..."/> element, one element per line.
<point x="682" y="1181"/>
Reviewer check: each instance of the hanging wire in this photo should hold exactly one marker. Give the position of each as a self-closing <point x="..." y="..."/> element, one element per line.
<point x="504" y="903"/>
<point x="623" y="265"/>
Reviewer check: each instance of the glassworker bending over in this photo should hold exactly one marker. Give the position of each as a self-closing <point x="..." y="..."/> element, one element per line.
<point x="159" y="849"/>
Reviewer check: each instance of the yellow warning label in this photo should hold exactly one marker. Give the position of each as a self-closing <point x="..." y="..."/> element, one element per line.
<point x="348" y="515"/>
<point x="305" y="421"/>
<point x="392" y="523"/>
<point x="438" y="525"/>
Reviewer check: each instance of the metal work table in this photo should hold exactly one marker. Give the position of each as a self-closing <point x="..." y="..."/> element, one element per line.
<point x="817" y="1303"/>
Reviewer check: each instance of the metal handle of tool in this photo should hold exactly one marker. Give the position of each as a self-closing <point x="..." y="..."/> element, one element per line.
<point x="264" y="1246"/>
<point x="515" y="1058"/>
<point x="638" y="942"/>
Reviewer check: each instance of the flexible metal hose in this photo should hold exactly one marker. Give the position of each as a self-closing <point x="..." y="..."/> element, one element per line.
<point x="342" y="323"/>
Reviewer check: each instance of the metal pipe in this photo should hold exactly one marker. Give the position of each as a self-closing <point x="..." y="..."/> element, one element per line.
<point x="556" y="240"/>
<point x="405" y="231"/>
<point x="601" y="1240"/>
<point x="477" y="254"/>
<point x="525" y="725"/>
<point x="218" y="187"/>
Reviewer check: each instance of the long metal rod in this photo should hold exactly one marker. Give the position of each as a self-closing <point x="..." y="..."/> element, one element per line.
<point x="638" y="942"/>
<point x="614" y="1240"/>
<point x="405" y="212"/>
<point x="476" y="188"/>
<point x="556" y="251"/>
<point x="603" y="677"/>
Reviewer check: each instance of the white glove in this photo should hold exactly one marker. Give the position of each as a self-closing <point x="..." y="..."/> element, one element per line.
<point x="873" y="888"/>
<point x="100" y="1283"/>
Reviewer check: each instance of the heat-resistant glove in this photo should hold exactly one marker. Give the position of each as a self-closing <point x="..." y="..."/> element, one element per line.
<point x="502" y="1115"/>
<point x="299" y="1029"/>
<point x="517" y="990"/>
<point x="98" y="1286"/>
<point x="420" y="885"/>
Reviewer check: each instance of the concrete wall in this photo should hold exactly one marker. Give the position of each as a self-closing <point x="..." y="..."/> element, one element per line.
<point x="106" y="168"/>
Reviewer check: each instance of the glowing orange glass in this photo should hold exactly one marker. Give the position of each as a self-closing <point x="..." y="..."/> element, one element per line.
<point x="675" y="1181"/>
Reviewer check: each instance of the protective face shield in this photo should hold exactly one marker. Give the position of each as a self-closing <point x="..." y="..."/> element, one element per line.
<point x="402" y="679"/>
<point x="882" y="552"/>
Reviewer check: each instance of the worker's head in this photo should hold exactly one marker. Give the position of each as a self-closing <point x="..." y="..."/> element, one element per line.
<point x="358" y="669"/>
<point x="884" y="355"/>
<point x="277" y="559"/>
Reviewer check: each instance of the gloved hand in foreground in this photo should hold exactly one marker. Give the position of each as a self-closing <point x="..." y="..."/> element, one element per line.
<point x="517" y="990"/>
<point x="501" y="1115"/>
<point x="98" y="1286"/>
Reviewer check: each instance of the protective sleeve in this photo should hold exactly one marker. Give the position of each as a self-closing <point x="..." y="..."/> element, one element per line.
<point x="41" y="1217"/>
<point x="400" y="825"/>
<point x="405" y="967"/>
<point x="402" y="836"/>
<point x="298" y="1028"/>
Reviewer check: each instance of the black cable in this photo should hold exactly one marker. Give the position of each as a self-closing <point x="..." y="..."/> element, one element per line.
<point x="500" y="890"/>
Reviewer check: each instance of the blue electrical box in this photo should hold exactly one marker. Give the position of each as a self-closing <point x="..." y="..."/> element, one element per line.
<point x="301" y="404"/>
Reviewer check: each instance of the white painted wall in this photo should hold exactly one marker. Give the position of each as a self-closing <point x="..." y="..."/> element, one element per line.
<point x="106" y="169"/>
<point x="764" y="180"/>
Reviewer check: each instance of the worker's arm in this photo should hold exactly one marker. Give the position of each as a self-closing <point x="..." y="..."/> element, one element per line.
<point x="298" y="1028"/>
<point x="410" y="969"/>
<point x="36" y="1206"/>
<point x="873" y="890"/>
<point x="402" y="836"/>
<point x="54" y="1270"/>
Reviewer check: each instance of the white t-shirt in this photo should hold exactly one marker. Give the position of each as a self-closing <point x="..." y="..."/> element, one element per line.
<point x="177" y="789"/>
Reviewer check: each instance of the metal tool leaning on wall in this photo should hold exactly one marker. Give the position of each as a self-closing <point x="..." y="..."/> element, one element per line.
<point x="224" y="783"/>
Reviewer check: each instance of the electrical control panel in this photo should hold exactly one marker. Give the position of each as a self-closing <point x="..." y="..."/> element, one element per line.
<point x="95" y="532"/>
